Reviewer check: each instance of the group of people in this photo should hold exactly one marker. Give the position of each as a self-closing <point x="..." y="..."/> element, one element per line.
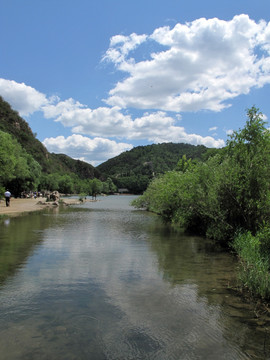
<point x="31" y="194"/>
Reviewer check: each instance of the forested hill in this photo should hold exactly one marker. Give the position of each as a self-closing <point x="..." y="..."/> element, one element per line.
<point x="135" y="168"/>
<point x="13" y="124"/>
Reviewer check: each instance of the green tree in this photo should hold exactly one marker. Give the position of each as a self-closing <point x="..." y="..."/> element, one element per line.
<point x="109" y="186"/>
<point x="246" y="184"/>
<point x="184" y="164"/>
<point x="19" y="170"/>
<point x="50" y="181"/>
<point x="94" y="187"/>
<point x="8" y="157"/>
<point x="28" y="174"/>
<point x="66" y="185"/>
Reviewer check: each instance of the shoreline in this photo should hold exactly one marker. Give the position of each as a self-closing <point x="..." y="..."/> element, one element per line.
<point x="23" y="206"/>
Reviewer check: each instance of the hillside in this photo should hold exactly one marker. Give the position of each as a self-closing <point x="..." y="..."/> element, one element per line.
<point x="135" y="168"/>
<point x="13" y="124"/>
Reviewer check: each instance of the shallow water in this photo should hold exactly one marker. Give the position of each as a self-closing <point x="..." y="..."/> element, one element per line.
<point x="103" y="280"/>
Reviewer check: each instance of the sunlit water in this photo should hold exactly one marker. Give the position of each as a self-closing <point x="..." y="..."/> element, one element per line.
<point x="103" y="280"/>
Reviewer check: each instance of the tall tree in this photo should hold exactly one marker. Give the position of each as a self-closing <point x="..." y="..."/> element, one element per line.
<point x="246" y="183"/>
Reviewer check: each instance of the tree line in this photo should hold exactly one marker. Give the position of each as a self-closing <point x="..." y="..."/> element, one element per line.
<point x="226" y="198"/>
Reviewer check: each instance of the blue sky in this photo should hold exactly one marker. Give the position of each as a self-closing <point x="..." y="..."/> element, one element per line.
<point x="96" y="78"/>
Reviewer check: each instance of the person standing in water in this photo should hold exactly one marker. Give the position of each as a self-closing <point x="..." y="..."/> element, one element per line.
<point x="7" y="196"/>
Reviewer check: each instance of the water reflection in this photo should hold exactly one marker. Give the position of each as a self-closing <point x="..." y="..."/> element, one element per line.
<point x="7" y="222"/>
<point x="17" y="239"/>
<point x="105" y="281"/>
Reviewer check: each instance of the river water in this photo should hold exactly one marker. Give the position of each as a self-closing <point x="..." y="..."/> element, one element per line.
<point x="103" y="280"/>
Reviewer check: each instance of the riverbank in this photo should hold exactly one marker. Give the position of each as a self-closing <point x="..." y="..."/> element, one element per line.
<point x="21" y="206"/>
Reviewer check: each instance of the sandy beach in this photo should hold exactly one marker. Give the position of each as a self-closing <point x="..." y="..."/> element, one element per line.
<point x="20" y="206"/>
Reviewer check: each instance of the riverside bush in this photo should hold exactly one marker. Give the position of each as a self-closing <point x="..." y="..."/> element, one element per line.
<point x="254" y="261"/>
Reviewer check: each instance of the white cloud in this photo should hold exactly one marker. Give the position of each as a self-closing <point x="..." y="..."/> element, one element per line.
<point x="21" y="97"/>
<point x="214" y="128"/>
<point x="110" y="122"/>
<point x="121" y="46"/>
<point x="103" y="121"/>
<point x="58" y="108"/>
<point x="93" y="151"/>
<point x="159" y="128"/>
<point x="203" y="64"/>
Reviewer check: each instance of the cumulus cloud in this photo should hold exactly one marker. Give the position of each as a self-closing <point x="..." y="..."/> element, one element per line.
<point x="159" y="128"/>
<point x="203" y="65"/>
<point x="103" y="121"/>
<point x="111" y="122"/>
<point x="57" y="108"/>
<point x="93" y="151"/>
<point x="179" y="135"/>
<point x="21" y="97"/>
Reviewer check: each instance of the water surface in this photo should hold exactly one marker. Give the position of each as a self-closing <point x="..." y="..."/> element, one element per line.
<point x="103" y="280"/>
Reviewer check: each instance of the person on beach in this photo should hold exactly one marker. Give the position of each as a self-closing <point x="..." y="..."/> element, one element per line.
<point x="7" y="196"/>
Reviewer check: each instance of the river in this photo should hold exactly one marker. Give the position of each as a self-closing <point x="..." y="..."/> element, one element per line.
<point x="103" y="280"/>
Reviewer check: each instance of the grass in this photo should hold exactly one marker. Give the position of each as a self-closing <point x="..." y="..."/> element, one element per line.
<point x="254" y="262"/>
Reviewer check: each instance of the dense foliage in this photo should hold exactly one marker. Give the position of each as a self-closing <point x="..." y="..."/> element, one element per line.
<point x="19" y="170"/>
<point x="227" y="194"/>
<point x="135" y="169"/>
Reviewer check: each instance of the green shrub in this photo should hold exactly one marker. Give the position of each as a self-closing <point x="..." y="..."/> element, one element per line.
<point x="254" y="262"/>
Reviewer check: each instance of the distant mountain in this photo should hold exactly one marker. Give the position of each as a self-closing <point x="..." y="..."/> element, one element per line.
<point x="134" y="169"/>
<point x="13" y="124"/>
